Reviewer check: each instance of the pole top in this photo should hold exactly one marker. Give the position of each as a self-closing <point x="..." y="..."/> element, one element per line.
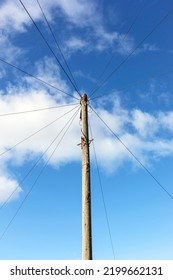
<point x="84" y="97"/>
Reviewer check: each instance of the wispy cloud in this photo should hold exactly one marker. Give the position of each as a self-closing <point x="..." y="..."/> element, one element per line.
<point x="9" y="189"/>
<point x="8" y="50"/>
<point x="79" y="12"/>
<point x="12" y="17"/>
<point x="144" y="123"/>
<point x="75" y="44"/>
<point x="166" y="119"/>
<point x="83" y="16"/>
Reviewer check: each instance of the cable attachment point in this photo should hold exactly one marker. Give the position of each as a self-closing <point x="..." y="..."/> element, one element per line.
<point x="83" y="142"/>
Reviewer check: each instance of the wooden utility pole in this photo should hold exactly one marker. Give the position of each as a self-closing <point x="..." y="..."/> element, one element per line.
<point x="86" y="192"/>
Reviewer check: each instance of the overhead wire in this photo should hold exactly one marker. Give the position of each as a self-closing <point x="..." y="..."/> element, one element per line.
<point x="121" y="43"/>
<point x="36" y="132"/>
<point x="133" y="23"/>
<point x="132" y="52"/>
<point x="51" y="50"/>
<point x="37" y="110"/>
<point x="68" y="125"/>
<point x="36" y="78"/>
<point x="132" y="154"/>
<point x="57" y="44"/>
<point x="102" y="194"/>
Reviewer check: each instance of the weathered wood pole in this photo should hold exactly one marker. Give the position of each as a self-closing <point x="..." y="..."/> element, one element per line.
<point x="86" y="191"/>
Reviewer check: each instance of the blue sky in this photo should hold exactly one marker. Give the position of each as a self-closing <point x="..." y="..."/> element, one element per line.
<point x="133" y="97"/>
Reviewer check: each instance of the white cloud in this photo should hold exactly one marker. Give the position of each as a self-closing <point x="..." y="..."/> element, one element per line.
<point x="12" y="17"/>
<point x="85" y="76"/>
<point x="125" y="44"/>
<point x="9" y="189"/>
<point x="15" y="19"/>
<point x="116" y="117"/>
<point x="76" y="44"/>
<point x="48" y="71"/>
<point x="9" y="52"/>
<point x="144" y="123"/>
<point x="166" y="120"/>
<point x="18" y="127"/>
<point x="79" y="12"/>
<point x="2" y="72"/>
<point x="146" y="135"/>
<point x="136" y="129"/>
<point x="83" y="16"/>
<point x="148" y="47"/>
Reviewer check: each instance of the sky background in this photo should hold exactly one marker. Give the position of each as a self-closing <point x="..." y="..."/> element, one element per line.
<point x="40" y="173"/>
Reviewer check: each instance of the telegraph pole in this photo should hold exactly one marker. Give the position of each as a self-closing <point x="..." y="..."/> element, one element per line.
<point x="86" y="192"/>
